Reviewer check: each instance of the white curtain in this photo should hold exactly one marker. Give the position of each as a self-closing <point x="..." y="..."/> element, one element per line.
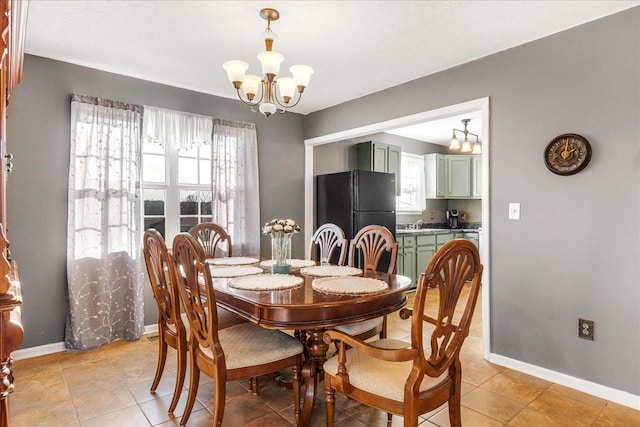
<point x="104" y="261"/>
<point x="236" y="201"/>
<point x="182" y="130"/>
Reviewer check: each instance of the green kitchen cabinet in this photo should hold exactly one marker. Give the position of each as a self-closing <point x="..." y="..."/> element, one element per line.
<point x="378" y="157"/>
<point x="441" y="239"/>
<point x="458" y="177"/>
<point x="406" y="264"/>
<point x="435" y="167"/>
<point x="424" y="255"/>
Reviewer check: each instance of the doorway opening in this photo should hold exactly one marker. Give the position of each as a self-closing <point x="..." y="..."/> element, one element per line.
<point x="482" y="105"/>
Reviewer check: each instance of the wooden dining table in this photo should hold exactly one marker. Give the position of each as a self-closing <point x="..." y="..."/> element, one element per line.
<point x="310" y="313"/>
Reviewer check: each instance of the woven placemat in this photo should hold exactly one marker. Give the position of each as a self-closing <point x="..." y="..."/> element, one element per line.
<point x="349" y="285"/>
<point x="331" y="271"/>
<point x="266" y="282"/>
<point x="234" y="260"/>
<point x="295" y="263"/>
<point x="235" y="271"/>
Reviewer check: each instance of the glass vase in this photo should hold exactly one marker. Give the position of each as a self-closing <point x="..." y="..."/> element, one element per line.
<point x="281" y="253"/>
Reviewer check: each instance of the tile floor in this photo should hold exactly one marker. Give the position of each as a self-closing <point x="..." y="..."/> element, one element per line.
<point x="110" y="387"/>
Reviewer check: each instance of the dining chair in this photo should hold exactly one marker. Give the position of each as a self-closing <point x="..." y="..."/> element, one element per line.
<point x="410" y="379"/>
<point x="213" y="238"/>
<point x="369" y="245"/>
<point x="325" y="242"/>
<point x="239" y="352"/>
<point x="173" y="328"/>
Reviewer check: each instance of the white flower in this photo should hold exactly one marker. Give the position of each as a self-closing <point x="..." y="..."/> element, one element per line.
<point x="278" y="226"/>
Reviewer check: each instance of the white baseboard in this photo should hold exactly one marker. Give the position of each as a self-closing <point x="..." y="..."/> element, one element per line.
<point x="594" y="389"/>
<point x="58" y="347"/>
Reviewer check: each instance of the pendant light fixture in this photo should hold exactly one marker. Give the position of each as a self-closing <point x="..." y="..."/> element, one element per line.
<point x="276" y="93"/>
<point x="466" y="144"/>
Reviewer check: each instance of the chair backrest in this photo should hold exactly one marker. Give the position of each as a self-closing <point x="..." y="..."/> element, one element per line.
<point x="327" y="239"/>
<point x="210" y="235"/>
<point x="451" y="267"/>
<point x="372" y="241"/>
<point x="196" y="294"/>
<point x="159" y="267"/>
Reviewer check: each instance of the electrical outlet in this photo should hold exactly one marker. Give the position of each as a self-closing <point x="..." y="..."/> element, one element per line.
<point x="585" y="329"/>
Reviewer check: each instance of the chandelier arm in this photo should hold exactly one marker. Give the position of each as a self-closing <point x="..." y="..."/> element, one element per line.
<point x="296" y="103"/>
<point x="249" y="103"/>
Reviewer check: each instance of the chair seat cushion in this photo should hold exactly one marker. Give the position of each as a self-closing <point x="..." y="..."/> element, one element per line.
<point x="378" y="376"/>
<point x="357" y="328"/>
<point x="227" y="319"/>
<point x="249" y="345"/>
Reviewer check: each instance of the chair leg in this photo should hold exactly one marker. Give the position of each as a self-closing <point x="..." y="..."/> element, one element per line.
<point x="162" y="358"/>
<point x="219" y="396"/>
<point x="194" y="381"/>
<point x="295" y="383"/>
<point x="182" y="370"/>
<point x="330" y="404"/>
<point x="455" y="416"/>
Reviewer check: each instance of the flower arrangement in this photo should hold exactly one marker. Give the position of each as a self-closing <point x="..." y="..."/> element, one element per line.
<point x="280" y="226"/>
<point x="281" y="231"/>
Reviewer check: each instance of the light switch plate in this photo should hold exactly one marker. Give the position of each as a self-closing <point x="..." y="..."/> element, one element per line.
<point x="514" y="210"/>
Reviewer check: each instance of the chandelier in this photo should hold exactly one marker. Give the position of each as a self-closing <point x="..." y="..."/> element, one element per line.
<point x="466" y="144"/>
<point x="276" y="93"/>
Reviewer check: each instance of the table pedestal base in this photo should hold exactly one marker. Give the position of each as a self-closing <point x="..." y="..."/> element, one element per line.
<point x="312" y="371"/>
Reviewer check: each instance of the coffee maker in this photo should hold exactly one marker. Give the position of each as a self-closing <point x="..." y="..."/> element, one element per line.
<point x="453" y="218"/>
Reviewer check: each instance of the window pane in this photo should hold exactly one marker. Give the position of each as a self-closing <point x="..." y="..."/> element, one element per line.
<point x="186" y="222"/>
<point x="153" y="202"/>
<point x="205" y="151"/>
<point x="187" y="171"/>
<point x="157" y="223"/>
<point x="152" y="147"/>
<point x="189" y="151"/>
<point x="153" y="168"/>
<point x="188" y="202"/>
<point x="205" y="171"/>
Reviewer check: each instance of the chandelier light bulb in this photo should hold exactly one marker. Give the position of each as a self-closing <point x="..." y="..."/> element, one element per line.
<point x="287" y="88"/>
<point x="455" y="144"/>
<point x="235" y="71"/>
<point x="301" y="75"/>
<point x="250" y="85"/>
<point x="270" y="61"/>
<point x="476" y="148"/>
<point x="466" y="146"/>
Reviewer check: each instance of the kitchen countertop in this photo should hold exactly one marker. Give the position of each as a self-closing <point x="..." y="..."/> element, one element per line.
<point x="436" y="230"/>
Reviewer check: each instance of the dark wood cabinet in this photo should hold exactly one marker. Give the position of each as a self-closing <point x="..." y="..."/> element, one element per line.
<point x="13" y="17"/>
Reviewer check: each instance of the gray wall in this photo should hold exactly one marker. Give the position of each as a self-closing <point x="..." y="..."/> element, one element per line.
<point x="570" y="255"/>
<point x="38" y="136"/>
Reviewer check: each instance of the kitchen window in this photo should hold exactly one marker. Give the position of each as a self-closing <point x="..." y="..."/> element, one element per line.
<point x="412" y="195"/>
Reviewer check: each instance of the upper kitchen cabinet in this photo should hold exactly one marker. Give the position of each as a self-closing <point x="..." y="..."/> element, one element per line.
<point x="378" y="157"/>
<point x="458" y="177"/>
<point x="435" y="175"/>
<point x="453" y="176"/>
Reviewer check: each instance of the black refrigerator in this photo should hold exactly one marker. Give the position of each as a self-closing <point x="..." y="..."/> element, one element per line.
<point x="357" y="198"/>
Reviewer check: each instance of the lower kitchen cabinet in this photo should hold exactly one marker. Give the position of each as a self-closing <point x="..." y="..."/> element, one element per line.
<point x="406" y="264"/>
<point x="416" y="252"/>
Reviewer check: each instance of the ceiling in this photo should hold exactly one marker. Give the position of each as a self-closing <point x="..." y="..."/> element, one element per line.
<point x="355" y="47"/>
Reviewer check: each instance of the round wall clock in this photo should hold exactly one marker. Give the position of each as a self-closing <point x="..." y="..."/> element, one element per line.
<point x="567" y="154"/>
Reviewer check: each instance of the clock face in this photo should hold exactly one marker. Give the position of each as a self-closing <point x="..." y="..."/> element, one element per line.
<point x="567" y="154"/>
